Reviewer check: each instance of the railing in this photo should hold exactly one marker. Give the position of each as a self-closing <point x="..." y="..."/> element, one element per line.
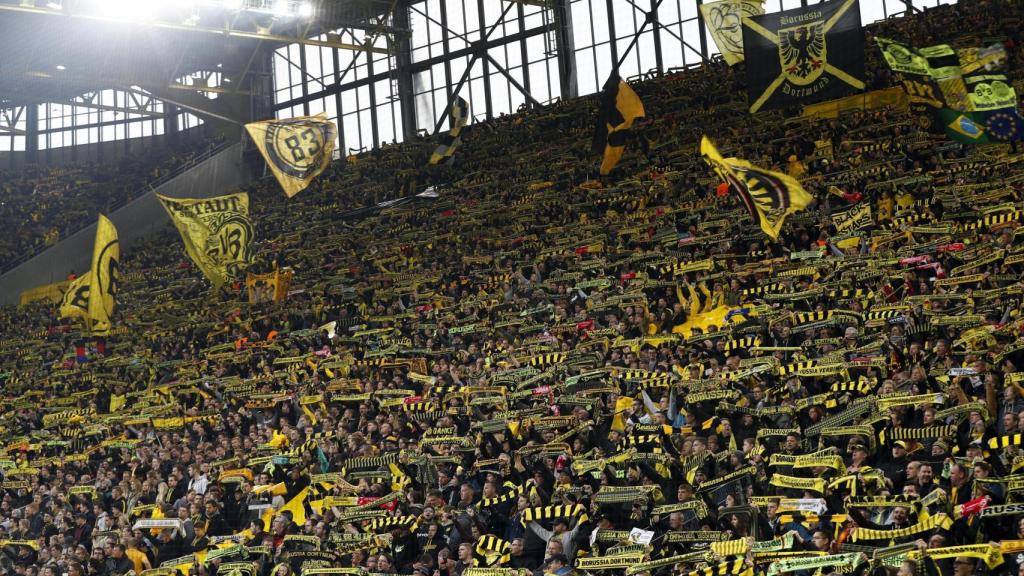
<point x="141" y="191"/>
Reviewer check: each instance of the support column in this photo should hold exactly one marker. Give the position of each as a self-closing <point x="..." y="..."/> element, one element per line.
<point x="566" y="47"/>
<point x="31" y="133"/>
<point x="403" y="69"/>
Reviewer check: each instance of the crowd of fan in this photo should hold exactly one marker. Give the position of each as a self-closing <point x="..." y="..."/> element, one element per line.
<point x="494" y="379"/>
<point x="40" y="205"/>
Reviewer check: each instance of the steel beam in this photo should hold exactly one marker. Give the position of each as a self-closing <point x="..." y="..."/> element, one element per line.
<point x="226" y="31"/>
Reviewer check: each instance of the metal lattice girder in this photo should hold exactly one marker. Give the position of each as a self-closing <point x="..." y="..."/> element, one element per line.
<point x="230" y="28"/>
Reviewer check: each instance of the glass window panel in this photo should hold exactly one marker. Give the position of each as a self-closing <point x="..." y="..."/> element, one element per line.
<point x="317" y="106"/>
<point x="603" y="58"/>
<point x="471" y="16"/>
<point x="581" y="30"/>
<point x="500" y="89"/>
<point x="351" y="132"/>
<point x="535" y="48"/>
<point x="599" y="19"/>
<point x="425" y="112"/>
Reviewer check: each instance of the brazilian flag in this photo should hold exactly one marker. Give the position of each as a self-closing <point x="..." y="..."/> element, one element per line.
<point x="962" y="127"/>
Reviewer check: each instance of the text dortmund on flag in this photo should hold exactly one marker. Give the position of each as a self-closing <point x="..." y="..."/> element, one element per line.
<point x="769" y="196"/>
<point x="620" y="108"/>
<point x="297" y="150"/>
<point x="217" y="233"/>
<point x="724" y="20"/>
<point x="803" y="55"/>
<point x="459" y="116"/>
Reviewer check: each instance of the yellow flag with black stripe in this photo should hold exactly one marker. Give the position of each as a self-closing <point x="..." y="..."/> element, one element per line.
<point x="297" y="150"/>
<point x="217" y="232"/>
<point x="105" y="276"/>
<point x="75" y="302"/>
<point x="620" y="108"/>
<point x="769" y="196"/>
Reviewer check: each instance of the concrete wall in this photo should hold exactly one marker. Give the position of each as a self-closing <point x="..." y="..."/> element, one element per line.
<point x="220" y="174"/>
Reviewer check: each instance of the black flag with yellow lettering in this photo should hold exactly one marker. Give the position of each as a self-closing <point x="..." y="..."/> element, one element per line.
<point x="620" y="108"/>
<point x="803" y="55"/>
<point x="297" y="150"/>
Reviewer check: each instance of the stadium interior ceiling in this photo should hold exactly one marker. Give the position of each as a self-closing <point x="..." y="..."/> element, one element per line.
<point x="79" y="72"/>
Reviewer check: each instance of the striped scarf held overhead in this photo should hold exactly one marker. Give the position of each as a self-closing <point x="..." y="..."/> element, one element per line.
<point x="538" y="513"/>
<point x="491" y="551"/>
<point x="528" y="487"/>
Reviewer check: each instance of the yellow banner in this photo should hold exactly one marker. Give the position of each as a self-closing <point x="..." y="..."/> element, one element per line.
<point x="217" y="232"/>
<point x="297" y="150"/>
<point x="106" y="275"/>
<point x="722" y="20"/>
<point x="873" y="100"/>
<point x="271" y="287"/>
<point x="50" y="292"/>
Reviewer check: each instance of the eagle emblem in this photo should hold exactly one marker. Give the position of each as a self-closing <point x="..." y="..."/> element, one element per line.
<point x="802" y="52"/>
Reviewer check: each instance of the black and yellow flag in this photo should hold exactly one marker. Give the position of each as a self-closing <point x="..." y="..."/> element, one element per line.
<point x="620" y="108"/>
<point x="75" y="302"/>
<point x="92" y="295"/>
<point x="788" y="58"/>
<point x="769" y="196"/>
<point x="217" y="232"/>
<point x="297" y="150"/>
<point x="724" y="20"/>
<point x="270" y="287"/>
<point x="450" y="142"/>
<point x="105" y="276"/>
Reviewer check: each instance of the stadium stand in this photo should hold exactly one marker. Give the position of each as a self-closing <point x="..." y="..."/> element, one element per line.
<point x="41" y="204"/>
<point x="543" y="372"/>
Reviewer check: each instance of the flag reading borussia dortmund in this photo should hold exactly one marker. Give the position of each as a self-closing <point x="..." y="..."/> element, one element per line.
<point x="297" y="150"/>
<point x="788" y="58"/>
<point x="769" y="196"/>
<point x="620" y="108"/>
<point x="105" y="275"/>
<point x="724" y="20"/>
<point x="450" y="141"/>
<point x="217" y="233"/>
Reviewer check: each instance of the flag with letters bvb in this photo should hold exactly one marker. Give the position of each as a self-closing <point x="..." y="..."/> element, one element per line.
<point x="620" y="108"/>
<point x="769" y="196"/>
<point x="297" y="150"/>
<point x="803" y="55"/>
<point x="217" y="232"/>
<point x="450" y="141"/>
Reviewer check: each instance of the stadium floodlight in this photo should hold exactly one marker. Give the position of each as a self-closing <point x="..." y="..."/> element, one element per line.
<point x="59" y="5"/>
<point x="61" y="67"/>
<point x="305" y="9"/>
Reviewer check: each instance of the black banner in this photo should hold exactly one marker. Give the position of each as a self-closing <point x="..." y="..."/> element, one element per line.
<point x="804" y="55"/>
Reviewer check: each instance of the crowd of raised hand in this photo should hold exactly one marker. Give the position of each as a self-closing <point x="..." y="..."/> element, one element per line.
<point x="549" y="372"/>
